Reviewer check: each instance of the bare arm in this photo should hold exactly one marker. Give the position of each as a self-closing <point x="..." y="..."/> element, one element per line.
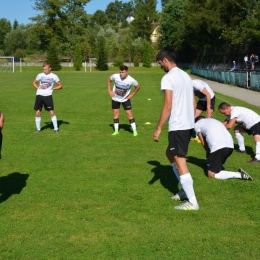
<point x="229" y="124"/>
<point x="59" y="86"/>
<point x="203" y="142"/>
<point x="207" y="94"/>
<point x="35" y="85"/>
<point x="110" y="92"/>
<point x="166" y="110"/>
<point x="134" y="92"/>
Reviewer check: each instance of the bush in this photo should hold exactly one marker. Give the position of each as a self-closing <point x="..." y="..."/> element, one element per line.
<point x="118" y="62"/>
<point x="136" y="61"/>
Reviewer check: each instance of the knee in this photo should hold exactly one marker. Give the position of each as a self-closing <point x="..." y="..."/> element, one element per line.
<point x="52" y="113"/>
<point x="211" y="174"/>
<point x="38" y="113"/>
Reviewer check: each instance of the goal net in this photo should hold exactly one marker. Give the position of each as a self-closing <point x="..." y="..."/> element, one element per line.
<point x="6" y="64"/>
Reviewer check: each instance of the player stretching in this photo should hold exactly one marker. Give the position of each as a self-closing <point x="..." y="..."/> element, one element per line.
<point x="121" y="94"/>
<point x="45" y="88"/>
<point x="179" y="109"/>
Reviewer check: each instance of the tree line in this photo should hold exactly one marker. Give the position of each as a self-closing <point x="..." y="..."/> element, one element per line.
<point x="199" y="30"/>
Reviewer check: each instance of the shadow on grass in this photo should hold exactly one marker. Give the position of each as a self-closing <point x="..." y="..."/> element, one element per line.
<point x="125" y="127"/>
<point x="12" y="184"/>
<point x="198" y="162"/>
<point x="165" y="175"/>
<point x="49" y="125"/>
<point x="249" y="150"/>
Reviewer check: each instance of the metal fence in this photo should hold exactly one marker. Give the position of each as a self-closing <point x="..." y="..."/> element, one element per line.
<point x="241" y="78"/>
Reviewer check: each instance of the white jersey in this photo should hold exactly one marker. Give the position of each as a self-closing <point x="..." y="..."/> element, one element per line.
<point x="122" y="87"/>
<point x="216" y="134"/>
<point x="198" y="86"/>
<point x="182" y="112"/>
<point x="244" y="115"/>
<point x="46" y="83"/>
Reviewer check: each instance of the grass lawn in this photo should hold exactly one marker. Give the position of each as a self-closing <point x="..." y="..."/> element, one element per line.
<point x="84" y="194"/>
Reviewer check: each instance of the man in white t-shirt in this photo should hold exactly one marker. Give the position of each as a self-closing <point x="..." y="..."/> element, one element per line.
<point x="121" y="95"/>
<point x="218" y="144"/>
<point x="248" y="121"/>
<point x="206" y="100"/>
<point x="44" y="83"/>
<point x="179" y="109"/>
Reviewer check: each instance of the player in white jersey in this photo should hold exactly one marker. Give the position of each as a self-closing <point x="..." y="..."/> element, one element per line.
<point x="218" y="144"/>
<point x="206" y="100"/>
<point x="44" y="83"/>
<point x="2" y="119"/>
<point x="121" y="95"/>
<point x="179" y="109"/>
<point x="248" y="121"/>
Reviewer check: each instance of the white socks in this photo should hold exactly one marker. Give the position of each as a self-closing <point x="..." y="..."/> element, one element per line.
<point x="133" y="125"/>
<point x="257" y="156"/>
<point x="240" y="141"/>
<point x="187" y="185"/>
<point x="224" y="175"/>
<point x="54" y="121"/>
<point x="38" y="123"/>
<point x="116" y="126"/>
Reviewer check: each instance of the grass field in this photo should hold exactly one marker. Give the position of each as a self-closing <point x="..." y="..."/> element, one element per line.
<point x="84" y="194"/>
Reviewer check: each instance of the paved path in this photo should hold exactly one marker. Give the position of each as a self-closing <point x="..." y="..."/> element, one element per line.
<point x="249" y="96"/>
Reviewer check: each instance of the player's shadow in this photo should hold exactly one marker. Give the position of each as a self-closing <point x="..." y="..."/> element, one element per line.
<point x="200" y="162"/>
<point x="249" y="150"/>
<point x="49" y="125"/>
<point x="125" y="127"/>
<point x="165" y="175"/>
<point x="12" y="184"/>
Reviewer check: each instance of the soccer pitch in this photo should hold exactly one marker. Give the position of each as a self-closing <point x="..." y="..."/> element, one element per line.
<point x="84" y="194"/>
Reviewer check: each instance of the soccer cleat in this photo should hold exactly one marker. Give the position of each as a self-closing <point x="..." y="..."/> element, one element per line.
<point x="196" y="139"/>
<point x="244" y="175"/>
<point x="57" y="131"/>
<point x="240" y="151"/>
<point x="187" y="206"/>
<point x="180" y="195"/>
<point x="37" y="131"/>
<point x="135" y="133"/>
<point x="116" y="133"/>
<point x="254" y="160"/>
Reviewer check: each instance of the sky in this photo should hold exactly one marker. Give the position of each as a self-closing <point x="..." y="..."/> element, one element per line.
<point x="21" y="10"/>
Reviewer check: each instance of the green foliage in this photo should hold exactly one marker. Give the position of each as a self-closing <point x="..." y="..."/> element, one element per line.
<point x="118" y="62"/>
<point x="78" y="57"/>
<point x="5" y="28"/>
<point x="101" y="63"/>
<point x="136" y="61"/>
<point x="147" y="59"/>
<point x="52" y="56"/>
<point x="99" y="18"/>
<point x="84" y="194"/>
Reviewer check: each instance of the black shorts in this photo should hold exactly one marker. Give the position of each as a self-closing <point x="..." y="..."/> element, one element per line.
<point x="202" y="105"/>
<point x="126" y="105"/>
<point x="179" y="141"/>
<point x="45" y="101"/>
<point x="217" y="159"/>
<point x="254" y="130"/>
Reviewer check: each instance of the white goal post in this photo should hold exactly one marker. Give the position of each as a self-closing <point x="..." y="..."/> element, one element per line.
<point x="7" y="63"/>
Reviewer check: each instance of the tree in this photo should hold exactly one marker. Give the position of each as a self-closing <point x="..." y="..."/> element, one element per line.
<point x="147" y="55"/>
<point x="15" y="39"/>
<point x="5" y="28"/>
<point x="99" y="18"/>
<point x="77" y="57"/>
<point x="101" y="63"/>
<point x="144" y="15"/>
<point x="52" y="56"/>
<point x="174" y="14"/>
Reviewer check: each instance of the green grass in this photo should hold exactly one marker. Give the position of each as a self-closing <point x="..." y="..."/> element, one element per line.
<point x="84" y="194"/>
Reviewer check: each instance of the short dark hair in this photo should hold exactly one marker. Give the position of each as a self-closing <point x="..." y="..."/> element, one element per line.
<point x="168" y="53"/>
<point x="199" y="118"/>
<point x="223" y="105"/>
<point x="123" y="67"/>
